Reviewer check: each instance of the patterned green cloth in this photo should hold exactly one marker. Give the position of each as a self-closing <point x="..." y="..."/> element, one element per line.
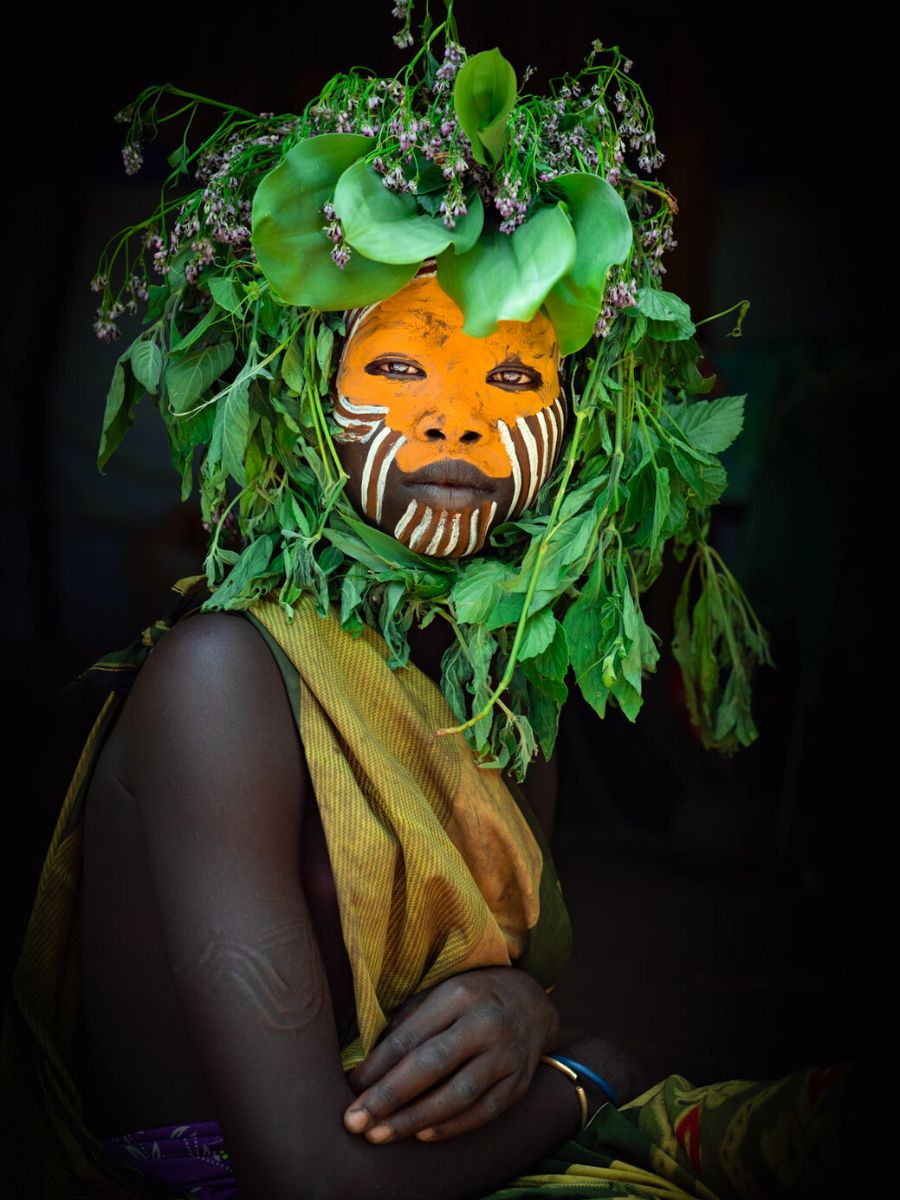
<point x="800" y="1137"/>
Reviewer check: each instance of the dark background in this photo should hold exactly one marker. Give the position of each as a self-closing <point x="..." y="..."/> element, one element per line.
<point x="729" y="914"/>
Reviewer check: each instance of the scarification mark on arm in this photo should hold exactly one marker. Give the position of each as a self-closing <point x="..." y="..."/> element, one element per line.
<point x="256" y="970"/>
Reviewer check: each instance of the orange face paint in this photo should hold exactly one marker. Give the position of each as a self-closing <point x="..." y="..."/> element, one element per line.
<point x="443" y="434"/>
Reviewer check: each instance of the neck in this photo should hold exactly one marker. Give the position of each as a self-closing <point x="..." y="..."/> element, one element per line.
<point x="427" y="647"/>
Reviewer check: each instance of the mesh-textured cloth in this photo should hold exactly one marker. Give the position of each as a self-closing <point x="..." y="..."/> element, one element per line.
<point x="437" y="868"/>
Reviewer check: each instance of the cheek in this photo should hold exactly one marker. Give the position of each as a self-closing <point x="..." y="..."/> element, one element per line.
<point x="532" y="446"/>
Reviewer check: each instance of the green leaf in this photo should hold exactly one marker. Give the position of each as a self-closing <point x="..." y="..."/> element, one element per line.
<point x="710" y="425"/>
<point x="292" y="367"/>
<point x="324" y="348"/>
<point x="189" y="377"/>
<point x="506" y="277"/>
<point x="708" y="480"/>
<point x="392" y="552"/>
<point x="669" y="318"/>
<point x="484" y="95"/>
<point x="250" y="570"/>
<point x="544" y="712"/>
<point x="584" y="628"/>
<point x="390" y="227"/>
<point x="225" y="293"/>
<point x="539" y="633"/>
<point x="231" y="431"/>
<point x="146" y="362"/>
<point x="270" y="315"/>
<point x="456" y="671"/>
<point x="628" y="696"/>
<point x="288" y="235"/>
<point x="603" y="237"/>
<point x="353" y="590"/>
<point x="193" y="335"/>
<point x="119" y="413"/>
<point x="478" y="590"/>
<point x="661" y="503"/>
<point x="178" y="159"/>
<point x="157" y="293"/>
<point x="553" y="662"/>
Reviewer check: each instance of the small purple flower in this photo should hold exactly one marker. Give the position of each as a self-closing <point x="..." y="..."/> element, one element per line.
<point x="341" y="255"/>
<point x="105" y="327"/>
<point x="132" y="158"/>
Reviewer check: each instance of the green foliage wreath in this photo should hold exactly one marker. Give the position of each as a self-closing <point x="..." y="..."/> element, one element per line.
<point x="525" y="201"/>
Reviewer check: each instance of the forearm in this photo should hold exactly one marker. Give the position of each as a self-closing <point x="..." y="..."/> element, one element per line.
<point x="470" y="1165"/>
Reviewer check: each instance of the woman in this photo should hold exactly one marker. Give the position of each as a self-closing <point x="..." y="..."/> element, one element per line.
<point x="236" y="981"/>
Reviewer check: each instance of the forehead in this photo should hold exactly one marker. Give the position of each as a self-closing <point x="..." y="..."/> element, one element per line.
<point x="422" y="316"/>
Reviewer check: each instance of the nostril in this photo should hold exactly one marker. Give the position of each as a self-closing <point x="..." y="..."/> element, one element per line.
<point x="471" y="435"/>
<point x="434" y="435"/>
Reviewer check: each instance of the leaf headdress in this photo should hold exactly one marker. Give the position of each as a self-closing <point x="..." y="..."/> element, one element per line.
<point x="526" y="202"/>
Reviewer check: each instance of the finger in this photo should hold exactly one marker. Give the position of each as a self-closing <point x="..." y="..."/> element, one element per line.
<point x="496" y="1100"/>
<point x="452" y="1099"/>
<point x="432" y="1017"/>
<point x="419" y="1070"/>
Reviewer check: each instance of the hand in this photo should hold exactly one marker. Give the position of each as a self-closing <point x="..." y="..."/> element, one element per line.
<point x="475" y="1039"/>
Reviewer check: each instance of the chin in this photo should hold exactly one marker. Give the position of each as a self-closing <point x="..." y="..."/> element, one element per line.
<point x="441" y="531"/>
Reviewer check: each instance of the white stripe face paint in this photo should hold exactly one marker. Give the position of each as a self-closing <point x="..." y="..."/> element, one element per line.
<point x="382" y="475"/>
<point x="358" y="422"/>
<point x="420" y="529"/>
<point x="532" y="452"/>
<point x="550" y="414"/>
<point x="454" y="535"/>
<point x="560" y="411"/>
<point x="367" y="469"/>
<point x="489" y="520"/>
<point x="400" y="527"/>
<point x="473" y="530"/>
<point x="362" y="410"/>
<point x="510" y="449"/>
<point x="543" y="439"/>
<point x="432" y="546"/>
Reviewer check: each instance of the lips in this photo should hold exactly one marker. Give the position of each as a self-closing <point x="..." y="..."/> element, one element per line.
<point x="451" y="484"/>
<point x="451" y="473"/>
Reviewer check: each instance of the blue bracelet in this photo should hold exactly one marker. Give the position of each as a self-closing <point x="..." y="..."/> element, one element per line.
<point x="592" y="1075"/>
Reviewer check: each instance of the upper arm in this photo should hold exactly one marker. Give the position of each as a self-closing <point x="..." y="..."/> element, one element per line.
<point x="212" y="757"/>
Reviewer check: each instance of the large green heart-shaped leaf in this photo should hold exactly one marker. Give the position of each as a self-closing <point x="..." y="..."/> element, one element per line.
<point x="291" y="247"/>
<point x="506" y="277"/>
<point x="389" y="227"/>
<point x="603" y="233"/>
<point x="484" y="95"/>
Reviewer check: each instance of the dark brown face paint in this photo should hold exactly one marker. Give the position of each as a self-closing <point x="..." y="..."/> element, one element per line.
<point x="444" y="435"/>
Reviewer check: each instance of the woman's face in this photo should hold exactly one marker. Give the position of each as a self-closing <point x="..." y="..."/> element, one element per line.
<point x="445" y="435"/>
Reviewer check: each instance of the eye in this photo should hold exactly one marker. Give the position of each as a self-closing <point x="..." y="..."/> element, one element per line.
<point x="395" y="368"/>
<point x="515" y="377"/>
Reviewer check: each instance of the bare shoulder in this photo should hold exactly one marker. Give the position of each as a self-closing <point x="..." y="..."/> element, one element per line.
<point x="209" y="713"/>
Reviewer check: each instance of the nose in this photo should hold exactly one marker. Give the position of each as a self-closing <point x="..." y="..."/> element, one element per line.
<point x="442" y="429"/>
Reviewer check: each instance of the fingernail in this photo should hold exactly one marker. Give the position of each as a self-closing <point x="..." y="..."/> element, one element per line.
<point x="381" y="1133"/>
<point x="357" y="1120"/>
<point x="426" y="1135"/>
